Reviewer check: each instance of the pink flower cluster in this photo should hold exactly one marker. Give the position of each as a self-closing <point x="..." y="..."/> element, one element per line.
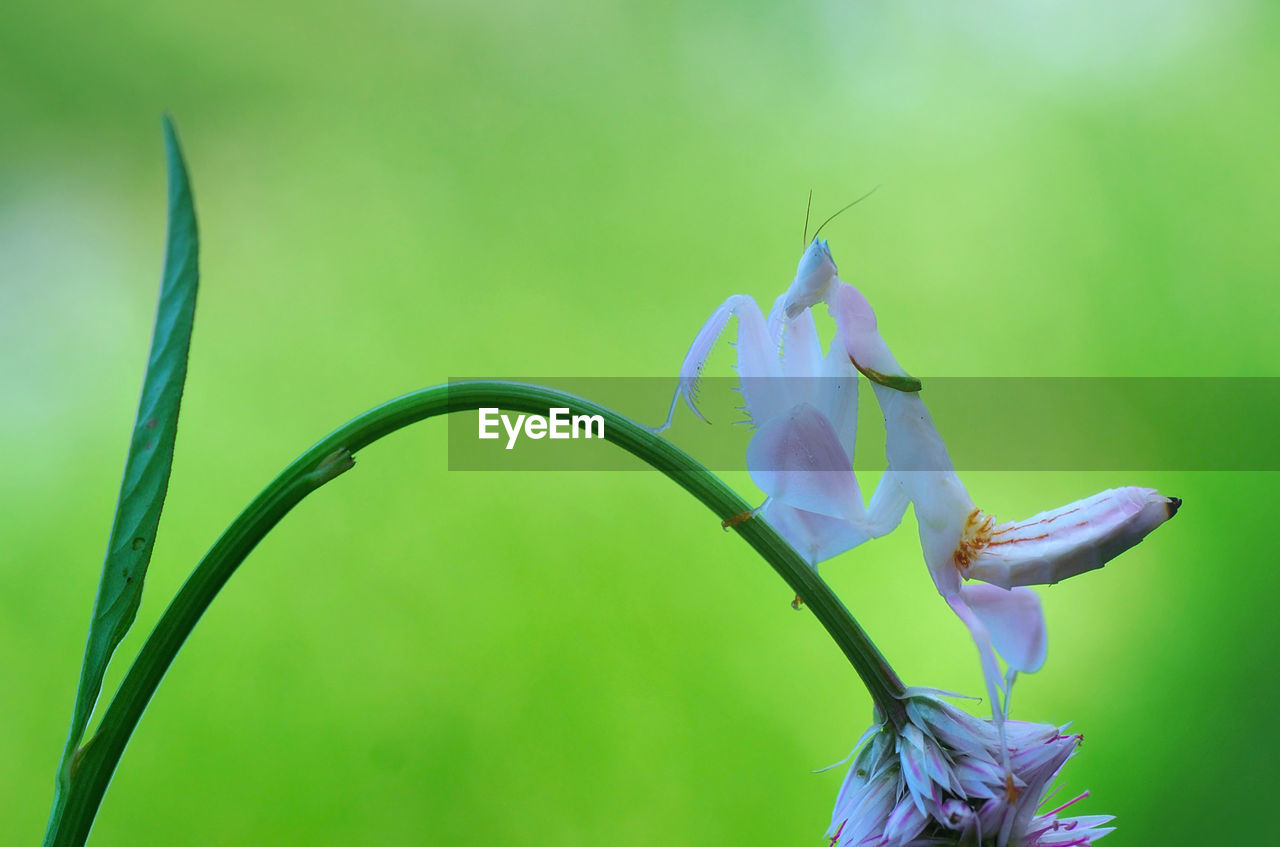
<point x="942" y="780"/>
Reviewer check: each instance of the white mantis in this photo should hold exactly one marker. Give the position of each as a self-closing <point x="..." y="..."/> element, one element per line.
<point x="803" y="406"/>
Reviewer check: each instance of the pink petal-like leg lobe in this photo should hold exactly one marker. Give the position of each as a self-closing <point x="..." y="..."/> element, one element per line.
<point x="1069" y="540"/>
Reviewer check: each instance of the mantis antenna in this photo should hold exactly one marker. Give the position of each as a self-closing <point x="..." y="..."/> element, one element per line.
<point x="804" y="239"/>
<point x="838" y="213"/>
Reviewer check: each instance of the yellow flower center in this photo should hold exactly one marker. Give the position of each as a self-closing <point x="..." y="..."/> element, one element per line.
<point x="975" y="536"/>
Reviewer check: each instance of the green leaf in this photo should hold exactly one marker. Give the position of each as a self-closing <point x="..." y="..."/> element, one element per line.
<point x="146" y="470"/>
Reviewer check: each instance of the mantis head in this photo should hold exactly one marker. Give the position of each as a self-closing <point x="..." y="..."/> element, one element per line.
<point x="814" y="277"/>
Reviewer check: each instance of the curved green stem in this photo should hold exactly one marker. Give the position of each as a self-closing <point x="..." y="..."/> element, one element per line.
<point x="96" y="761"/>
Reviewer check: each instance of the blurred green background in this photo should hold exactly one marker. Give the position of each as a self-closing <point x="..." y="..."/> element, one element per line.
<point x="392" y="194"/>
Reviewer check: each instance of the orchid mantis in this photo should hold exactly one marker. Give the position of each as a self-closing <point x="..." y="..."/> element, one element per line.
<point x="803" y="405"/>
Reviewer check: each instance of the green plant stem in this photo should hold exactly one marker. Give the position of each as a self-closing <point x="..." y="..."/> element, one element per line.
<point x="96" y="761"/>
